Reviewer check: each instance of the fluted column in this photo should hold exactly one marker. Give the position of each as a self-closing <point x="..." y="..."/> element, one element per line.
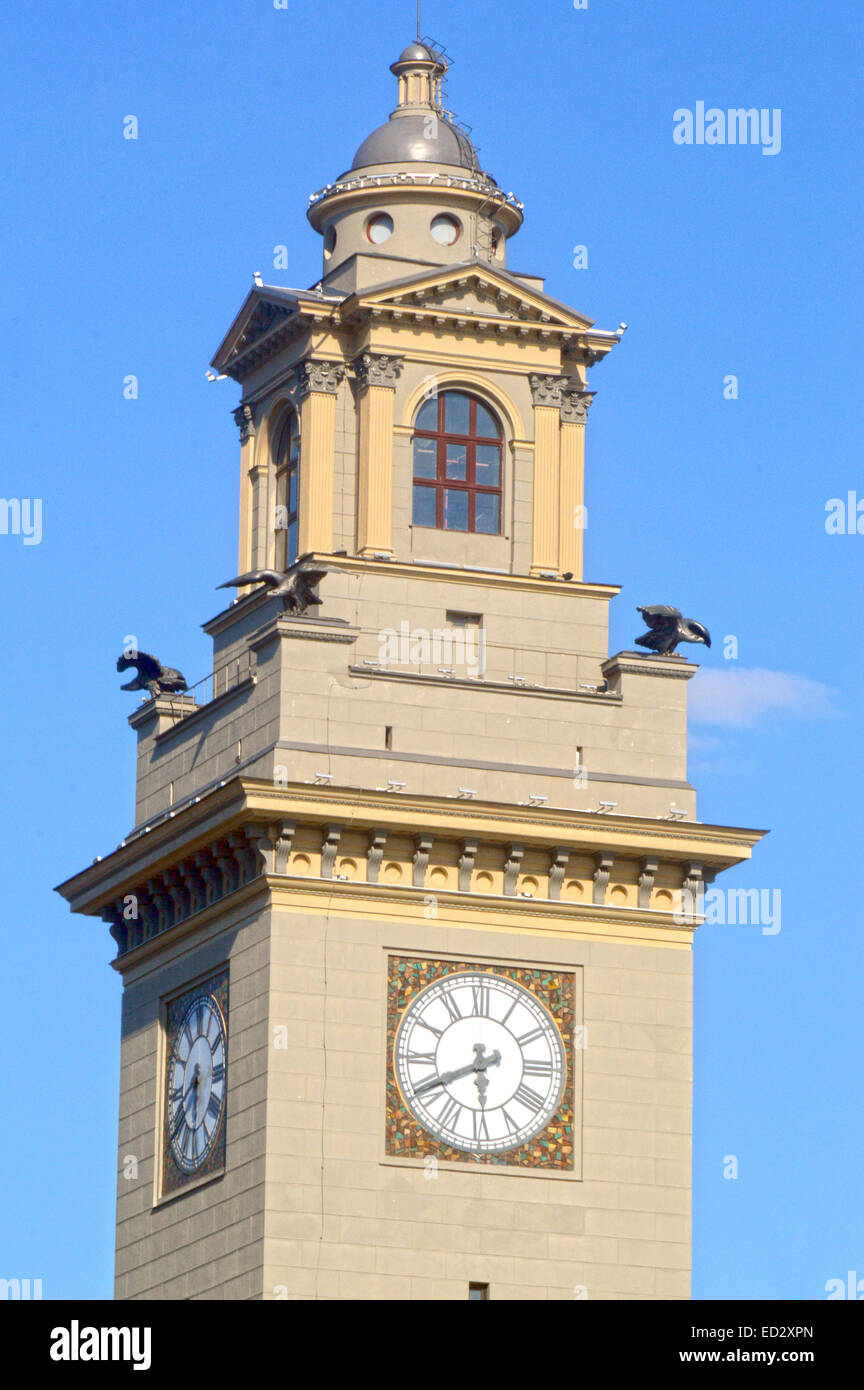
<point x="244" y="417"/>
<point x="547" y="395"/>
<point x="377" y="376"/>
<point x="571" y="533"/>
<point x="315" y="395"/>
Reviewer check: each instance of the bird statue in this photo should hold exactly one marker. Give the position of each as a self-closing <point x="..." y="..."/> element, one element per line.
<point x="298" y="592"/>
<point x="151" y="675"/>
<point x="667" y="628"/>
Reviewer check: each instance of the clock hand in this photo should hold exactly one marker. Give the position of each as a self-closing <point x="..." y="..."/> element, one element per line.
<point x="479" y="1064"/>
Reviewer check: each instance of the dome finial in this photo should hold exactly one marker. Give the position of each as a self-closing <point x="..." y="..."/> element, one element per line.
<point x="419" y="2"/>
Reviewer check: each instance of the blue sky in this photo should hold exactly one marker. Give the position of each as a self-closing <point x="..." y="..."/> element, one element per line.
<point x="131" y="257"/>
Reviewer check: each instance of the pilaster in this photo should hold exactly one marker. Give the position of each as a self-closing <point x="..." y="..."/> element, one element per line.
<point x="315" y="393"/>
<point x="377" y="376"/>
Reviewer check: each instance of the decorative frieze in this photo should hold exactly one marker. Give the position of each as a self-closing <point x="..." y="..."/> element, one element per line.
<point x="263" y="850"/>
<point x="184" y="889"/>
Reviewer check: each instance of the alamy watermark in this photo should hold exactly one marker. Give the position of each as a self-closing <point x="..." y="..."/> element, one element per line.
<point x="454" y="650"/>
<point x="738" y="126"/>
<point x="21" y="516"/>
<point x="732" y="907"/>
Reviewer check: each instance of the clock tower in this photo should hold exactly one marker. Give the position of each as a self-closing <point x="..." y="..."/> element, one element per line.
<point x="404" y="922"/>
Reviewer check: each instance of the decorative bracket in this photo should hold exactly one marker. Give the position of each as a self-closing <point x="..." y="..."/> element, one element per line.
<point x="375" y="854"/>
<point x="557" y="865"/>
<point x="329" y="849"/>
<point x="421" y="859"/>
<point x="601" y="877"/>
<point x="466" y="865"/>
<point x="514" y="858"/>
<point x="646" y="881"/>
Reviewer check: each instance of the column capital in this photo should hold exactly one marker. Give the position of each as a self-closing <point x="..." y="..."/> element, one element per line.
<point x="323" y="377"/>
<point x="244" y="419"/>
<point x="377" y="369"/>
<point x="547" y="390"/>
<point x="575" y="404"/>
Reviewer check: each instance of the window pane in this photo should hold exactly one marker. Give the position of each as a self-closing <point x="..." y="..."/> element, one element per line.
<point x="456" y="412"/>
<point x="289" y="443"/>
<point x="425" y="458"/>
<point x="487" y="425"/>
<point x="488" y="470"/>
<point x="457" y="462"/>
<point x="424" y="506"/>
<point x="292" y="544"/>
<point x="486" y="513"/>
<point x="455" y="510"/>
<point x="427" y="419"/>
<point x="292" y="491"/>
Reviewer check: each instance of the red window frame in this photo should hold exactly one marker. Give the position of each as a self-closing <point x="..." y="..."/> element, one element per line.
<point x="441" y="483"/>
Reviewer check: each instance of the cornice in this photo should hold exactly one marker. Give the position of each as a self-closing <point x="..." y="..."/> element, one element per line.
<point x="242" y="801"/>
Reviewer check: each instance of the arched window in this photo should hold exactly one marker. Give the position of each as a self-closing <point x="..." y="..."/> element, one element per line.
<point x="287" y="492"/>
<point x="457" y="465"/>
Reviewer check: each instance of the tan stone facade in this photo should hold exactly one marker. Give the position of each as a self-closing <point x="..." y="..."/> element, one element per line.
<point x="441" y="762"/>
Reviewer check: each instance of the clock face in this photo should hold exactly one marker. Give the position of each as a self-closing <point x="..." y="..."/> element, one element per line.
<point x="480" y="1062"/>
<point x="196" y="1082"/>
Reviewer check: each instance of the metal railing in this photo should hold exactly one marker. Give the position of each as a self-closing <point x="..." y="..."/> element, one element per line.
<point x="219" y="682"/>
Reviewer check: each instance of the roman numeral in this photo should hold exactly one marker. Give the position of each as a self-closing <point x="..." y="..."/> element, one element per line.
<point x="215" y="1105"/>
<point x="451" y="1111"/>
<point x="529" y="1099"/>
<point x="421" y="1023"/>
<point x="530" y="1037"/>
<point x="187" y="1038"/>
<point x="481" y="998"/>
<point x="481" y="1130"/>
<point x="537" y="1068"/>
<point x="512" y="1127"/>
<point x="451" y="1006"/>
<point x="218" y="1071"/>
<point x="199" y="1019"/>
<point x="426" y="1059"/>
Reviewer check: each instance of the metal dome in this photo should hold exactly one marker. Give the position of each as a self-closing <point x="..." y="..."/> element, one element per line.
<point x="418" y="52"/>
<point x="405" y="140"/>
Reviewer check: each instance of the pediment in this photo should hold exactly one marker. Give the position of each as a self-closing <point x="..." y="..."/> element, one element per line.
<point x="471" y="289"/>
<point x="266" y="318"/>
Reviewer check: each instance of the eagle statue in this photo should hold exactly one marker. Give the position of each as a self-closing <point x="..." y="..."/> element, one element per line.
<point x="151" y="675"/>
<point x="666" y="628"/>
<point x="297" y="592"/>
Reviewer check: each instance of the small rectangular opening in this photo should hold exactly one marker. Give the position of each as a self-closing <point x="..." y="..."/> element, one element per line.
<point x="388" y="736"/>
<point x="478" y="1291"/>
